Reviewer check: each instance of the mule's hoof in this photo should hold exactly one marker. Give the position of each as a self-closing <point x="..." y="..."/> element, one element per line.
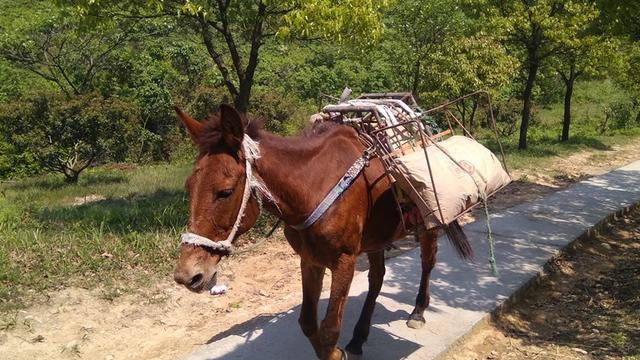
<point x="416" y="321"/>
<point x="354" y="351"/>
<point x="353" y="356"/>
<point x="344" y="355"/>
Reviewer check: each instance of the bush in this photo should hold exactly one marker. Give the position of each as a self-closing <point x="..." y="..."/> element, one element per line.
<point x="622" y="114"/>
<point x="507" y="114"/>
<point x="69" y="135"/>
<point x="282" y="115"/>
<point x="14" y="164"/>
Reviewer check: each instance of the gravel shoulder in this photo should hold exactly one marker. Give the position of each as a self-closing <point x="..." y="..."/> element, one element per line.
<point x="587" y="306"/>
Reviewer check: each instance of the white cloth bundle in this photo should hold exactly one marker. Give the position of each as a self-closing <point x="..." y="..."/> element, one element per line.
<point x="457" y="189"/>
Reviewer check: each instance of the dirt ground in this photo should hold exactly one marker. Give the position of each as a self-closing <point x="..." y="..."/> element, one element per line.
<point x="164" y="321"/>
<point x="586" y="307"/>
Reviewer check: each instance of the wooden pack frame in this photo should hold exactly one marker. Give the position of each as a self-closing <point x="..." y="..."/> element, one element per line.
<point x="393" y="123"/>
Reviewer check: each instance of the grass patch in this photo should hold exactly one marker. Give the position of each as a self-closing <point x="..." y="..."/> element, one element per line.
<point x="544" y="145"/>
<point x="50" y="240"/>
<point x="590" y="101"/>
<point x="117" y="228"/>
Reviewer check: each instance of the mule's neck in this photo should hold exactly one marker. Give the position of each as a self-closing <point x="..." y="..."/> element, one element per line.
<point x="298" y="172"/>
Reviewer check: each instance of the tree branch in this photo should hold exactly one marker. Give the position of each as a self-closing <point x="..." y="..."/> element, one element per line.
<point x="217" y="58"/>
<point x="256" y="42"/>
<point x="223" y="6"/>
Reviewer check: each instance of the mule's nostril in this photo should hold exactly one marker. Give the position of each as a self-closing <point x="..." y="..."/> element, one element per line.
<point x="195" y="280"/>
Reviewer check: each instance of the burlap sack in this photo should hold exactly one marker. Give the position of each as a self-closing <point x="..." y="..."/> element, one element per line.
<point x="457" y="189"/>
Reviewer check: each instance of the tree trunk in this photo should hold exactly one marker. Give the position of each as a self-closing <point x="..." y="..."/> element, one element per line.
<point x="526" y="100"/>
<point x="246" y="77"/>
<point x="603" y="128"/>
<point x="566" y="122"/>
<point x="416" y="79"/>
<point x="71" y="176"/>
<point x="241" y="101"/>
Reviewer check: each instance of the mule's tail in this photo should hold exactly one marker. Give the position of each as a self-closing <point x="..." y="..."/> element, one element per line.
<point x="459" y="240"/>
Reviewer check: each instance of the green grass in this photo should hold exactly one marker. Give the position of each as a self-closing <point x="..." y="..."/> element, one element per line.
<point x="47" y="241"/>
<point x="127" y="238"/>
<point x="543" y="145"/>
<point x="590" y="100"/>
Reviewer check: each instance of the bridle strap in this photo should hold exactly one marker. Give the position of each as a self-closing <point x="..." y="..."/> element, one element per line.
<point x="343" y="184"/>
<point x="250" y="154"/>
<point x="195" y="239"/>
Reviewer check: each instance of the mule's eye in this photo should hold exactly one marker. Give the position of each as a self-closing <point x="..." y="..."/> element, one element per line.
<point x="224" y="193"/>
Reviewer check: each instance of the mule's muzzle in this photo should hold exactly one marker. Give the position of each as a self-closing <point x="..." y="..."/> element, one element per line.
<point x="195" y="281"/>
<point x="188" y="279"/>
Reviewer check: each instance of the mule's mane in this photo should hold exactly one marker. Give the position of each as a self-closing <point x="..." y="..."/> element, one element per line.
<point x="211" y="136"/>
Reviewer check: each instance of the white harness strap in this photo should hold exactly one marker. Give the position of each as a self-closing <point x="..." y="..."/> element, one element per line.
<point x="251" y="153"/>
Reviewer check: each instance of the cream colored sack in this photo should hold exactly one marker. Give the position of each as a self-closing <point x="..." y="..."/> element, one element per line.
<point x="457" y="189"/>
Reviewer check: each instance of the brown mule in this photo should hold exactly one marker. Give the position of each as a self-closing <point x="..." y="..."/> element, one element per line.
<point x="297" y="172"/>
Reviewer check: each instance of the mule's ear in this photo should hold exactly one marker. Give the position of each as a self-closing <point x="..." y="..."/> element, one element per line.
<point x="232" y="125"/>
<point x="194" y="127"/>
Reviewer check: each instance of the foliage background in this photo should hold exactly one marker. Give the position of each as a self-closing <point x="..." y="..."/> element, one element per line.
<point x="148" y="56"/>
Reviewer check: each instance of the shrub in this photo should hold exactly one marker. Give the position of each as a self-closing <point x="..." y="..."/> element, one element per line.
<point x="507" y="114"/>
<point x="282" y="115"/>
<point x="622" y="114"/>
<point x="69" y="135"/>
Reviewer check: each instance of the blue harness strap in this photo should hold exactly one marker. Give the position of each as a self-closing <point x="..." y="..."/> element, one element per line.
<point x="337" y="190"/>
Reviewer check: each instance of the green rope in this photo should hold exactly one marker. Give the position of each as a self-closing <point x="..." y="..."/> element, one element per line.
<point x="492" y="255"/>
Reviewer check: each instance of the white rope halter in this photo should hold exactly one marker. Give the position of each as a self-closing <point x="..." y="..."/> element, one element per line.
<point x="251" y="154"/>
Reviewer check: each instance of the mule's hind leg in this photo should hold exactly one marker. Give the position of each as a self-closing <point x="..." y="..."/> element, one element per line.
<point x="428" y="247"/>
<point x="376" y="275"/>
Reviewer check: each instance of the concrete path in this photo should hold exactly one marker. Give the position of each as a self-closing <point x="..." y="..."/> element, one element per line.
<point x="526" y="236"/>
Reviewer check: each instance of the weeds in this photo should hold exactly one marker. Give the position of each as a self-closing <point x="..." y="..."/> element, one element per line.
<point x="47" y="241"/>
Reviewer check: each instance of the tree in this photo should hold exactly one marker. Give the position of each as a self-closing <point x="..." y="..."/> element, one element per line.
<point x="442" y="54"/>
<point x="620" y="18"/>
<point x="530" y="29"/>
<point x="578" y="53"/>
<point x="234" y="31"/>
<point x="53" y="45"/>
<point x="582" y="55"/>
<point x="468" y="64"/>
<point x="419" y="31"/>
<point x="629" y="76"/>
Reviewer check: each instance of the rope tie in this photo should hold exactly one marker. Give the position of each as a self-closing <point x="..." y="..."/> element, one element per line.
<point x="492" y="255"/>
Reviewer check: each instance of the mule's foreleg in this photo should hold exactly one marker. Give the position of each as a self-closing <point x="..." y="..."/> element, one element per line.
<point x="376" y="275"/>
<point x="428" y="247"/>
<point x="329" y="332"/>
<point x="312" y="276"/>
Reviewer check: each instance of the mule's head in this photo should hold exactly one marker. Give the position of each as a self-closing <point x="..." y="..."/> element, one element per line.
<point x="215" y="189"/>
